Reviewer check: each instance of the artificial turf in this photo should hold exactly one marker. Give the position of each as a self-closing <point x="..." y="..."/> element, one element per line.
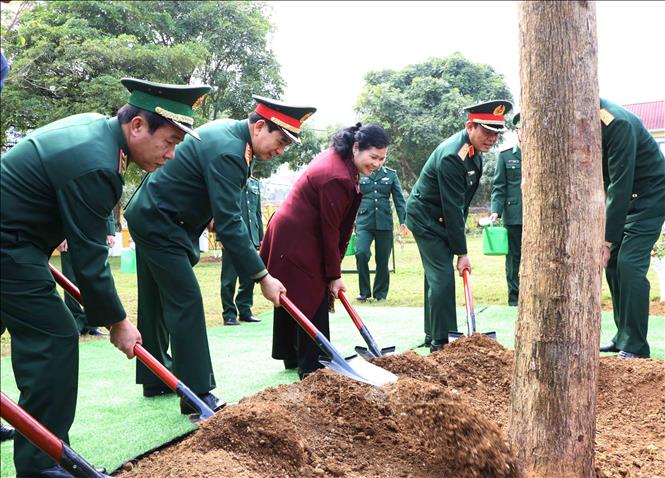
<point x="114" y="423"/>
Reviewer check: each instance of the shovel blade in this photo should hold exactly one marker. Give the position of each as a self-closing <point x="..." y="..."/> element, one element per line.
<point x="367" y="354"/>
<point x="452" y="336"/>
<point x="491" y="335"/>
<point x="361" y="370"/>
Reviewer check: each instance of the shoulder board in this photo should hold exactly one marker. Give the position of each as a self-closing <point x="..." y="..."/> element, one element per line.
<point x="390" y="169"/>
<point x="606" y="117"/>
<point x="507" y="148"/>
<point x="464" y="151"/>
<point x="248" y="153"/>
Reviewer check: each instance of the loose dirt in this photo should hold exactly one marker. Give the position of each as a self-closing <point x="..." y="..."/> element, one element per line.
<point x="447" y="416"/>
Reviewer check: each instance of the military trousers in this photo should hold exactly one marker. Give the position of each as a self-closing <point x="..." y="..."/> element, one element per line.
<point x="291" y="342"/>
<point x="626" y="274"/>
<point x="242" y="304"/>
<point x="513" y="259"/>
<point x="72" y="304"/>
<point x="170" y="312"/>
<point x="383" y="243"/>
<point x="44" y="355"/>
<point x="437" y="260"/>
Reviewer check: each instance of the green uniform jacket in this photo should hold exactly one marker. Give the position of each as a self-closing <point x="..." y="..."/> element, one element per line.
<point x="507" y="187"/>
<point x="174" y="204"/>
<point x="251" y="210"/>
<point x="446" y="186"/>
<point x="375" y="213"/>
<point x="61" y="182"/>
<point x="633" y="170"/>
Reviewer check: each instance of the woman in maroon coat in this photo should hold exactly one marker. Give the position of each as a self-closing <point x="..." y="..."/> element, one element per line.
<point x="306" y="238"/>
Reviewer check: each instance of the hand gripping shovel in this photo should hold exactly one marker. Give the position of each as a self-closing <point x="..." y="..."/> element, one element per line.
<point x="148" y="360"/>
<point x="470" y="315"/>
<point x="353" y="367"/>
<point x="372" y="350"/>
<point x="46" y="441"/>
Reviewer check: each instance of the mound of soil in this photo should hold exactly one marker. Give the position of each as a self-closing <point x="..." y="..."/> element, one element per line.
<point x="446" y="416"/>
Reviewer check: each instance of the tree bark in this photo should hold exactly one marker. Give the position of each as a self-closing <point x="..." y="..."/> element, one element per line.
<point x="552" y="424"/>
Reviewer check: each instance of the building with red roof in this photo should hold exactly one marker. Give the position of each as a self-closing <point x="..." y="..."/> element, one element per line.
<point x="652" y="115"/>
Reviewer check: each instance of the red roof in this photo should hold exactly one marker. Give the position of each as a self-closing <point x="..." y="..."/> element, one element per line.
<point x="652" y="114"/>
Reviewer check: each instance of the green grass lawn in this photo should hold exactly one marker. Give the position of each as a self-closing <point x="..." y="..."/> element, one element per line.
<point x="115" y="423"/>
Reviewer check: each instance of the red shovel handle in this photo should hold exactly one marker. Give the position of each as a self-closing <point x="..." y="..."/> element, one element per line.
<point x="295" y="312"/>
<point x="143" y="355"/>
<point x="31" y="428"/>
<point x="468" y="299"/>
<point x="349" y="308"/>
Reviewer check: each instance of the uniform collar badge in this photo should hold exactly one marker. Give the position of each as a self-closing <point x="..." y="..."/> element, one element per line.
<point x="248" y="153"/>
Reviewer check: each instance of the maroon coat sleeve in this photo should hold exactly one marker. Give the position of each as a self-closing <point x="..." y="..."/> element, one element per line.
<point x="335" y="199"/>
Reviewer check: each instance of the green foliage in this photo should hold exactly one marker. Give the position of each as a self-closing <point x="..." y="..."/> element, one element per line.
<point x="421" y="105"/>
<point x="659" y="247"/>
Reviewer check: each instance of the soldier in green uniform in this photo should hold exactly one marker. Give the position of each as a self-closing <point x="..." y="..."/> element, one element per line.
<point x="437" y="208"/>
<point x="61" y="182"/>
<point x="634" y="181"/>
<point x="250" y="203"/>
<point x="66" y="264"/>
<point x="167" y="215"/>
<point x="375" y="223"/>
<point x="506" y="203"/>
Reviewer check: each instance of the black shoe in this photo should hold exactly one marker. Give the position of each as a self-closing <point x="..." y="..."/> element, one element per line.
<point x="512" y="303"/>
<point x="251" y="318"/>
<point x="208" y="398"/>
<point x="94" y="331"/>
<point x="428" y="341"/>
<point x="232" y="321"/>
<point x="6" y="432"/>
<point x="56" y="472"/>
<point x="156" y="390"/>
<point x="382" y="299"/>
<point x="437" y="345"/>
<point x="609" y="347"/>
<point x="290" y="364"/>
<point x="629" y="355"/>
<point x="362" y="298"/>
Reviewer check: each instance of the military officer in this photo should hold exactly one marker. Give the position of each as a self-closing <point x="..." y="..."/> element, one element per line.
<point x="375" y="223"/>
<point x="634" y="181"/>
<point x="250" y="203"/>
<point x="66" y="263"/>
<point x="167" y="215"/>
<point x="506" y="203"/>
<point x="437" y="208"/>
<point x="61" y="182"/>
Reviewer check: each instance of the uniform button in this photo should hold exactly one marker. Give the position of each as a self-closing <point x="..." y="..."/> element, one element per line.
<point x="440" y="219"/>
<point x="181" y="222"/>
<point x="376" y="208"/>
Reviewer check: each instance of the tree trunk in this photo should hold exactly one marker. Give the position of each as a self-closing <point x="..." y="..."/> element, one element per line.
<point x="552" y="423"/>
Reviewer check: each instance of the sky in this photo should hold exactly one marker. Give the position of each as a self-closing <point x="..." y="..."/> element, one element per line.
<point x="325" y="48"/>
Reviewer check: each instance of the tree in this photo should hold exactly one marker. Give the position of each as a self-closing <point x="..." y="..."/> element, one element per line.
<point x="296" y="155"/>
<point x="421" y="105"/>
<point x="556" y="349"/>
<point x="67" y="56"/>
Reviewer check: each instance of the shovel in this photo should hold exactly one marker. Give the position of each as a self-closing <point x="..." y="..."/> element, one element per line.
<point x="46" y="441"/>
<point x="372" y="350"/>
<point x="148" y="360"/>
<point x="353" y="367"/>
<point x="470" y="315"/>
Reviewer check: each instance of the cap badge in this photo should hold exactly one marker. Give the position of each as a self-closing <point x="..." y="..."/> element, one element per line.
<point x="197" y="104"/>
<point x="499" y="110"/>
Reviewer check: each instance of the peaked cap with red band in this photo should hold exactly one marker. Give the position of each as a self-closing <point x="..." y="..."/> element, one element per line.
<point x="288" y="118"/>
<point x="490" y="115"/>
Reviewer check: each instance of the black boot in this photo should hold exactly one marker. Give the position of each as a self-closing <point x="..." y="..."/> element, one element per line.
<point x="437" y="345"/>
<point x="6" y="432"/>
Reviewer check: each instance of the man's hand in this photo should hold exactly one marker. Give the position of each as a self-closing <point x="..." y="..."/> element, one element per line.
<point x="271" y="288"/>
<point x="335" y="286"/>
<point x="62" y="247"/>
<point x="493" y="217"/>
<point x="463" y="262"/>
<point x="110" y="240"/>
<point x="403" y="230"/>
<point x="606" y="253"/>
<point x="125" y="336"/>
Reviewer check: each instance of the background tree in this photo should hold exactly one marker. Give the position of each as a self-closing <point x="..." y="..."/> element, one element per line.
<point x="422" y="104"/>
<point x="556" y="348"/>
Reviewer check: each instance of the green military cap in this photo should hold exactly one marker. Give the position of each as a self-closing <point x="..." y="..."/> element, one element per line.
<point x="516" y="120"/>
<point x="288" y="118"/>
<point x="173" y="102"/>
<point x="490" y="114"/>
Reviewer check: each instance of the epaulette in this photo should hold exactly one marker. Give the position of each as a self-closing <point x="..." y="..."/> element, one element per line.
<point x="507" y="148"/>
<point x="464" y="151"/>
<point x="390" y="169"/>
<point x="606" y="117"/>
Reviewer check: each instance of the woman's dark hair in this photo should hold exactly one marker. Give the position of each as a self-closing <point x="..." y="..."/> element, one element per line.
<point x="154" y="120"/>
<point x="254" y="117"/>
<point x="368" y="136"/>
